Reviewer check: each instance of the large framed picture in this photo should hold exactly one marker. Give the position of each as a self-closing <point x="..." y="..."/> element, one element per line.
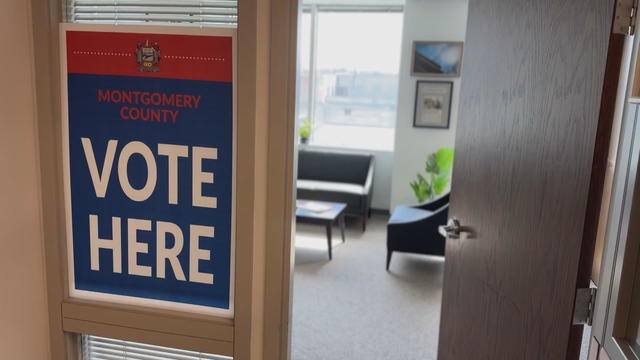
<point x="436" y="58"/>
<point x="433" y="104"/>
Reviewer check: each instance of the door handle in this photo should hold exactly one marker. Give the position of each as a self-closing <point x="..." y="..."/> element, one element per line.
<point x="453" y="229"/>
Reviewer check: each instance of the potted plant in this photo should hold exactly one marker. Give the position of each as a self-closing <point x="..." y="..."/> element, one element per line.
<point x="305" y="130"/>
<point x="438" y="169"/>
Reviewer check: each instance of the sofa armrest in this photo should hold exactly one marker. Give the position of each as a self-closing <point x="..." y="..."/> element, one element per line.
<point x="368" y="187"/>
<point x="368" y="184"/>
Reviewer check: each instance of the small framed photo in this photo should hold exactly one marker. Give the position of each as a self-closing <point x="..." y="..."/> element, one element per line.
<point x="433" y="104"/>
<point x="436" y="58"/>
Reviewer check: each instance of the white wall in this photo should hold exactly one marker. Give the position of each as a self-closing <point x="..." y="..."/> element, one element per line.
<point x="426" y="20"/>
<point x="382" y="180"/>
<point x="23" y="310"/>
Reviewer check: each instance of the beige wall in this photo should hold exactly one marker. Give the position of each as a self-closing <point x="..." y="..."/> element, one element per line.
<point x="23" y="309"/>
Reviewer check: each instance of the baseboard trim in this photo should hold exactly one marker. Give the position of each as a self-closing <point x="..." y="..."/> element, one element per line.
<point x="380" y="211"/>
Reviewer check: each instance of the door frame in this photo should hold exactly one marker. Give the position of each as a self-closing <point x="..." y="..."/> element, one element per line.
<point x="613" y="296"/>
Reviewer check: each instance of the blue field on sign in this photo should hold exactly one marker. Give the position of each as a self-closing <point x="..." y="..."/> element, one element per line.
<point x="210" y="125"/>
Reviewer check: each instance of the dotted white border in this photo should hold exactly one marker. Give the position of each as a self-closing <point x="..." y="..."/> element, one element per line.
<point x="100" y="53"/>
<point x="175" y="57"/>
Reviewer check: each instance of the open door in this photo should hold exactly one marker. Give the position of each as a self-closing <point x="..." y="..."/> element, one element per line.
<point x="526" y="147"/>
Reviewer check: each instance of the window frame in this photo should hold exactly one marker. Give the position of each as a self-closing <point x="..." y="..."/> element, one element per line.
<point x="171" y="328"/>
<point x="259" y="326"/>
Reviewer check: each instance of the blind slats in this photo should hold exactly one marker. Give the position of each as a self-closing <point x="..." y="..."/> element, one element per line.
<point x="204" y="12"/>
<point x="99" y="348"/>
<point x="155" y="18"/>
<point x="175" y="3"/>
<point x="160" y="10"/>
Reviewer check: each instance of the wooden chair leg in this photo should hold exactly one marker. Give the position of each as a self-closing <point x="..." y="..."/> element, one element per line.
<point x="364" y="223"/>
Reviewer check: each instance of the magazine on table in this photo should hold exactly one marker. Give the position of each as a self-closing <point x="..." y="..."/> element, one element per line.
<point x="312" y="206"/>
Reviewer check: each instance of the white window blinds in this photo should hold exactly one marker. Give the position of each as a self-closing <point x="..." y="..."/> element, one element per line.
<point x="99" y="348"/>
<point x="203" y="12"/>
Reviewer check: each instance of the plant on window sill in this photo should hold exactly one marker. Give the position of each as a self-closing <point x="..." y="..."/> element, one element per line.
<point x="305" y="130"/>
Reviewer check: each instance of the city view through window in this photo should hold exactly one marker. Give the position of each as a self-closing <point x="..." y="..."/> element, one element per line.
<point x="349" y="89"/>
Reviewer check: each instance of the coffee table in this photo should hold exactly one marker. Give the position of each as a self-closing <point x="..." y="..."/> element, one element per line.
<point x="321" y="213"/>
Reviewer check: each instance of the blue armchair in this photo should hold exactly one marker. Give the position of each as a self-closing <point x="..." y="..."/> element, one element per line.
<point x="414" y="229"/>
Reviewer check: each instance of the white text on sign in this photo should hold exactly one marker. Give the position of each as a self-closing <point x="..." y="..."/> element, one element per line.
<point x="164" y="254"/>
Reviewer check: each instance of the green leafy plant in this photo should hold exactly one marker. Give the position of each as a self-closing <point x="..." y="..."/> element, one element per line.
<point x="305" y="129"/>
<point x="438" y="169"/>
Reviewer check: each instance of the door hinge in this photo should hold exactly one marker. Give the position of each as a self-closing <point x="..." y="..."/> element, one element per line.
<point x="624" y="22"/>
<point x="583" y="309"/>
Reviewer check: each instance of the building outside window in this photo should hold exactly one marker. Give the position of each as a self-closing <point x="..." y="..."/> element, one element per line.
<point x="349" y="63"/>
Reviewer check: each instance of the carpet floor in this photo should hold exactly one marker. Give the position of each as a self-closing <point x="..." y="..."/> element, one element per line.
<point x="351" y="308"/>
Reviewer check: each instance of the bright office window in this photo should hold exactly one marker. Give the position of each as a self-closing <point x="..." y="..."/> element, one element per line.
<point x="350" y="62"/>
<point x="304" y="52"/>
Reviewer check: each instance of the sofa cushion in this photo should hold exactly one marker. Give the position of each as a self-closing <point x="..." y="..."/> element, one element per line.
<point x="333" y="166"/>
<point x="350" y="194"/>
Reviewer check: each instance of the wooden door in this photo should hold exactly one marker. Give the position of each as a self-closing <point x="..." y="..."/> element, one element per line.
<point x="532" y="85"/>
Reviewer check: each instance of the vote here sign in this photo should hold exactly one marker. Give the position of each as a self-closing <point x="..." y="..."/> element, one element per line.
<point x="149" y="166"/>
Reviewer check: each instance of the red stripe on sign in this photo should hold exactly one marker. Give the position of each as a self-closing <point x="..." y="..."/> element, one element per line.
<point x="193" y="57"/>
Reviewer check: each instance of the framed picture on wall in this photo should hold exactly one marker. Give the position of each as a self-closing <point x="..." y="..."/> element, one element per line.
<point x="433" y="104"/>
<point x="436" y="58"/>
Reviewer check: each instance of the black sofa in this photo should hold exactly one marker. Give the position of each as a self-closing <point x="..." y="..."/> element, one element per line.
<point x="337" y="176"/>
<point x="414" y="229"/>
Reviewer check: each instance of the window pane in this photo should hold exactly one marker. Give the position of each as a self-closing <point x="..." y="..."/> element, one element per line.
<point x="304" y="58"/>
<point x="356" y="89"/>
